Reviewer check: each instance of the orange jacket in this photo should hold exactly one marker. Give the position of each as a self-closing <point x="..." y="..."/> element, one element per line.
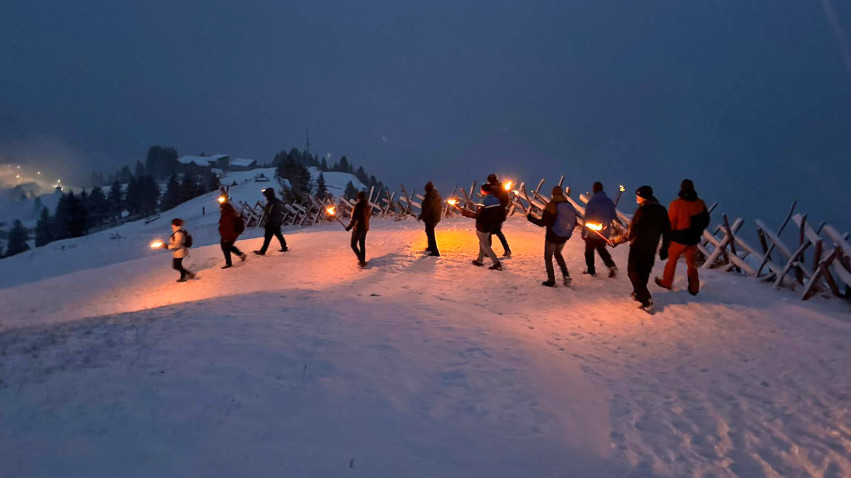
<point x="686" y="228"/>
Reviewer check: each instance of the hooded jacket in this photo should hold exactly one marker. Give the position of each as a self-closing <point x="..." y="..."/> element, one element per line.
<point x="274" y="210"/>
<point x="689" y="217"/>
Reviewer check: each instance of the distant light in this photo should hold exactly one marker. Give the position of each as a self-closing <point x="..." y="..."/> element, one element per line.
<point x="38" y="172"/>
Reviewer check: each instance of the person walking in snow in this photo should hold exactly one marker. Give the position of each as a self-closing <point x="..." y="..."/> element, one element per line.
<point x="600" y="210"/>
<point x="559" y="218"/>
<point x="432" y="210"/>
<point x="231" y="226"/>
<point x="359" y="225"/>
<point x="274" y="214"/>
<point x="649" y="223"/>
<point x="488" y="216"/>
<point x="178" y="244"/>
<point x="689" y="217"/>
<point x="499" y="191"/>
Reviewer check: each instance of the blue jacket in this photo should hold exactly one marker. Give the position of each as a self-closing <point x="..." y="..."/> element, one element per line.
<point x="489" y="215"/>
<point x="601" y="209"/>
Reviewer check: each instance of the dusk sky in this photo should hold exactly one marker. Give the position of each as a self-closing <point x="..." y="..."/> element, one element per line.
<point x="751" y="99"/>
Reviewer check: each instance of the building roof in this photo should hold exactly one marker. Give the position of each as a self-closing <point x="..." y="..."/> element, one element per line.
<point x="242" y="162"/>
<point x="201" y="160"/>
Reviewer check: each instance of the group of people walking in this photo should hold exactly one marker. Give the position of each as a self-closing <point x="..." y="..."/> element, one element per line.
<point x="679" y="229"/>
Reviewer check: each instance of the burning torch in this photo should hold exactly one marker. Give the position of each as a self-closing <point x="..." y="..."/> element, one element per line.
<point x="332" y="211"/>
<point x="222" y="199"/>
<point x="157" y="244"/>
<point x="621" y="189"/>
<point x="454" y="203"/>
<point x="596" y="228"/>
<point x="507" y="185"/>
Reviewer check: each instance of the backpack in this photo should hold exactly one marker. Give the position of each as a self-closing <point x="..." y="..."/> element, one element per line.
<point x="239" y="224"/>
<point x="565" y="220"/>
<point x="187" y="239"/>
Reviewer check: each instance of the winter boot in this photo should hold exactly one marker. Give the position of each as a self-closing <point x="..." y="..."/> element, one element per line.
<point x="478" y="263"/>
<point x="592" y="274"/>
<point x="182" y="279"/>
<point x="661" y="284"/>
<point x="259" y="253"/>
<point x="497" y="266"/>
<point x="227" y="266"/>
<point x="507" y="254"/>
<point x="568" y="281"/>
<point x="548" y="283"/>
<point x="693" y="288"/>
<point x="243" y="257"/>
<point x="613" y="272"/>
<point x="649" y="307"/>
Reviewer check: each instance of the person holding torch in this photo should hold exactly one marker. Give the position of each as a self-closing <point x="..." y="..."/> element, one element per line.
<point x="359" y="225"/>
<point x="559" y="218"/>
<point x="649" y="223"/>
<point x="231" y="225"/>
<point x="431" y="211"/>
<point x="599" y="213"/>
<point x="178" y="243"/>
<point x="488" y="215"/>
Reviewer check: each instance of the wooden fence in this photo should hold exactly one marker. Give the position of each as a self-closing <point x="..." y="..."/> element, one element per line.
<point x="816" y="260"/>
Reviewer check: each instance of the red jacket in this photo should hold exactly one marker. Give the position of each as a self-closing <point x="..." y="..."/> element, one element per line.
<point x="227" y="223"/>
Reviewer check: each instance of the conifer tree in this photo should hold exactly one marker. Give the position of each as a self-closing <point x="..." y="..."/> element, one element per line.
<point x="18" y="237"/>
<point x="44" y="229"/>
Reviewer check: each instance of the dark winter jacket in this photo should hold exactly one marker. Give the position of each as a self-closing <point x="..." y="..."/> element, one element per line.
<point x="227" y="223"/>
<point x="689" y="217"/>
<point x="601" y="210"/>
<point x="274" y="210"/>
<point x="501" y="194"/>
<point x="489" y="215"/>
<point x="360" y="217"/>
<point x="432" y="207"/>
<point x="558" y="205"/>
<point x="649" y="223"/>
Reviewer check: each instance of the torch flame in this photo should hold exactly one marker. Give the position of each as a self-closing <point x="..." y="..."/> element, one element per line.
<point x="452" y="202"/>
<point x="331" y="210"/>
<point x="156" y="244"/>
<point x="622" y="189"/>
<point x="507" y="186"/>
<point x="222" y="199"/>
<point x="594" y="226"/>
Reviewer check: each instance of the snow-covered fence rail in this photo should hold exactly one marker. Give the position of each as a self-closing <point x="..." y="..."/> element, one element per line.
<point x="818" y="260"/>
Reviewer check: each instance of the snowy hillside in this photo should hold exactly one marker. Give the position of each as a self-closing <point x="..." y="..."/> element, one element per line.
<point x="301" y="364"/>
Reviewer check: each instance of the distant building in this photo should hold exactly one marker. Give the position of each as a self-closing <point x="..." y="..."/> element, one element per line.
<point x="243" y="164"/>
<point x="216" y="163"/>
<point x="203" y="164"/>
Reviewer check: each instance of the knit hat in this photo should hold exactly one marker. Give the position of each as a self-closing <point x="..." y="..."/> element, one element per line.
<point x="598" y="186"/>
<point x="645" y="192"/>
<point x="687" y="185"/>
<point x="429" y="187"/>
<point x="557" y="191"/>
<point x="492" y="179"/>
<point x="269" y="193"/>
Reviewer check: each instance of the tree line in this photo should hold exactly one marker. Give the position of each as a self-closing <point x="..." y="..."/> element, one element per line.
<point x="293" y="166"/>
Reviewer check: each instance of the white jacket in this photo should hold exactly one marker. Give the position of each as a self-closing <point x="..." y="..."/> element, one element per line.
<point x="175" y="243"/>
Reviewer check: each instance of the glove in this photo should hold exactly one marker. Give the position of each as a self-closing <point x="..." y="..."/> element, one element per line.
<point x="663" y="254"/>
<point x="348" y="228"/>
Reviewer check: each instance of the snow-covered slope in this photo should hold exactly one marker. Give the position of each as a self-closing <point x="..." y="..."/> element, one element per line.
<point x="301" y="364"/>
